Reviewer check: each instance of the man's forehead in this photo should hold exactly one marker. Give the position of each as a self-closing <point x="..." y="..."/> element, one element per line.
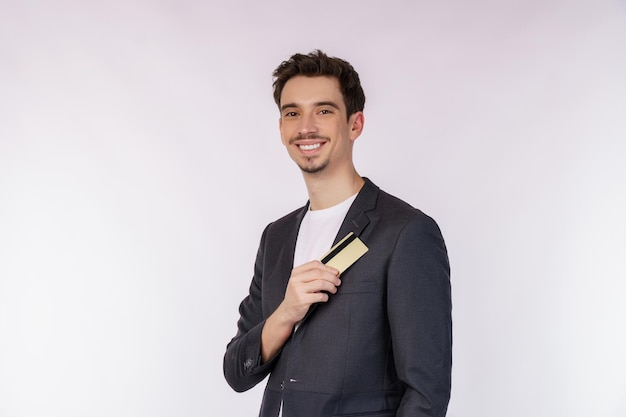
<point x="313" y="89"/>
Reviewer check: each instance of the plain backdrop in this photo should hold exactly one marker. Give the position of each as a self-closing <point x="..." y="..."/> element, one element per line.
<point x="140" y="160"/>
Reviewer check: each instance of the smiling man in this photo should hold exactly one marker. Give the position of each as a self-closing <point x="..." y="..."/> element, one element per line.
<point x="365" y="329"/>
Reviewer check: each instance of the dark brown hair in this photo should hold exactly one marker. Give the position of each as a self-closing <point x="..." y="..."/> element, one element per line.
<point x="317" y="63"/>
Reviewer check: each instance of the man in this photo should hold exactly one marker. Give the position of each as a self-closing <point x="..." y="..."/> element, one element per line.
<point x="375" y="340"/>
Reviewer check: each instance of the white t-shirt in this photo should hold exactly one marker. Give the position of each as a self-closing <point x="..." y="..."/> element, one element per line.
<point x="318" y="231"/>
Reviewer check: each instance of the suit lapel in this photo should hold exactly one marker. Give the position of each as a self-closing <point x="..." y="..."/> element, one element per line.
<point x="289" y="248"/>
<point x="357" y="219"/>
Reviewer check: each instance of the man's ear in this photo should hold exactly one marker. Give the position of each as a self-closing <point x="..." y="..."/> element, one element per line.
<point x="356" y="122"/>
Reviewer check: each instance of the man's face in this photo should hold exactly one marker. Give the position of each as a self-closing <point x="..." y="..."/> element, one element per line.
<point x="314" y="127"/>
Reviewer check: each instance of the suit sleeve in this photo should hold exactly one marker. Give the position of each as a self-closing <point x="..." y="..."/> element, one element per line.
<point x="242" y="360"/>
<point x="420" y="317"/>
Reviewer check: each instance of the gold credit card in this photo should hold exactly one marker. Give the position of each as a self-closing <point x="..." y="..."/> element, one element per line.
<point x="346" y="252"/>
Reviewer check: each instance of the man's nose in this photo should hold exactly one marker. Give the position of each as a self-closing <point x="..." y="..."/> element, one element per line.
<point x="307" y="124"/>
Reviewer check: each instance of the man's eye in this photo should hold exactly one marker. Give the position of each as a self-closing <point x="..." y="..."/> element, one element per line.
<point x="291" y="114"/>
<point x="325" y="111"/>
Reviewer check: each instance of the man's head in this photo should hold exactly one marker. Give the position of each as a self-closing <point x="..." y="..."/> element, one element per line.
<point x="318" y="63"/>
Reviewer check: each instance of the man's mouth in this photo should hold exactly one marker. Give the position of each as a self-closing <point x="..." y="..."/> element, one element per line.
<point x="309" y="144"/>
<point x="310" y="147"/>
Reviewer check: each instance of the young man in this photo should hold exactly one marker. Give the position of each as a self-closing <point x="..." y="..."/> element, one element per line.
<point x="376" y="339"/>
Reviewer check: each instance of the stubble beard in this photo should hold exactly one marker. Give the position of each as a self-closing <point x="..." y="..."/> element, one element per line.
<point x="310" y="167"/>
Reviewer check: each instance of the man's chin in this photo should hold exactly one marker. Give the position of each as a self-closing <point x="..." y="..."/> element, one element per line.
<point x="316" y="169"/>
<point x="311" y="168"/>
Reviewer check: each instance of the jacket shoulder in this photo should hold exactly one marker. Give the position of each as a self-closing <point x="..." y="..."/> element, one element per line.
<point x="283" y="228"/>
<point x="287" y="220"/>
<point x="397" y="210"/>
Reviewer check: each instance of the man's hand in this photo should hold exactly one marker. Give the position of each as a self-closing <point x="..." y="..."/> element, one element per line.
<point x="309" y="283"/>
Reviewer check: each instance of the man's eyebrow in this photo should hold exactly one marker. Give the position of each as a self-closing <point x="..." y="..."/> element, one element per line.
<point x="318" y="104"/>
<point x="328" y="103"/>
<point x="288" y="106"/>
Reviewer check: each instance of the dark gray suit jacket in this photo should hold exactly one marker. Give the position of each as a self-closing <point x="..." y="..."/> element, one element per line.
<point x="381" y="346"/>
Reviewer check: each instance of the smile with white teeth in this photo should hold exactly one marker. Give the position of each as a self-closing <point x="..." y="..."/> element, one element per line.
<point x="310" y="147"/>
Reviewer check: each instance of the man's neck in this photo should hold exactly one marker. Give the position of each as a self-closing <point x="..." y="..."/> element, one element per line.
<point x="325" y="191"/>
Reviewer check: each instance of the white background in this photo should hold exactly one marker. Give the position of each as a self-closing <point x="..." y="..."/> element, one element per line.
<point x="140" y="160"/>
